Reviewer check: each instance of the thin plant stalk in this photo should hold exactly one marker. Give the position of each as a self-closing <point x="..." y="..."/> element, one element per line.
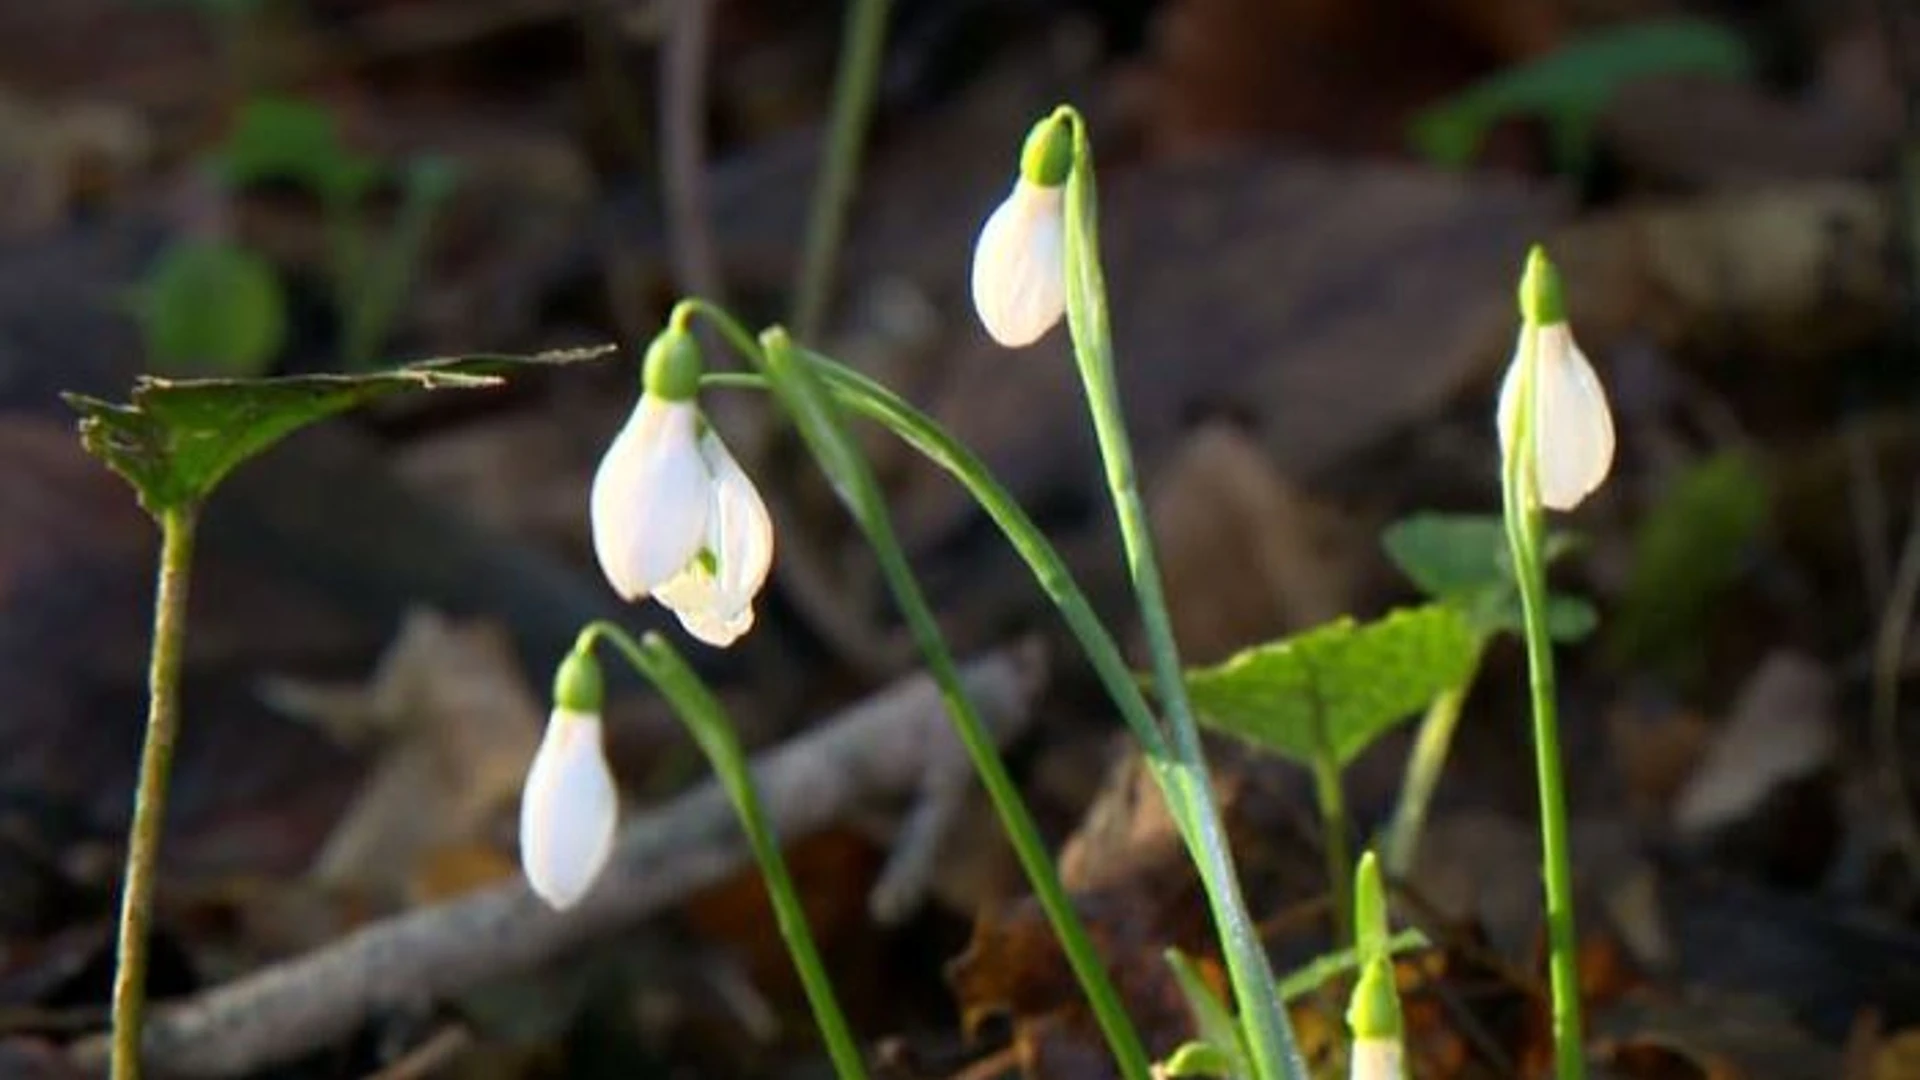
<point x="1269" y="1035"/>
<point x="854" y="88"/>
<point x="1334" y="823"/>
<point x="150" y="797"/>
<point x="713" y="732"/>
<point x="815" y="414"/>
<point x="1524" y="539"/>
<point x="1424" y="766"/>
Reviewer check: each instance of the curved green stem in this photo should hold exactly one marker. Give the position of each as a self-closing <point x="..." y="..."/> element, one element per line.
<point x="1524" y="539"/>
<point x="813" y="412"/>
<point x="853" y="93"/>
<point x="707" y="721"/>
<point x="1269" y="1035"/>
<point x="1424" y="766"/>
<point x="150" y="798"/>
<point x="1050" y="571"/>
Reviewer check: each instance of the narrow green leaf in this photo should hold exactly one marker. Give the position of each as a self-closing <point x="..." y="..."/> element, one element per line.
<point x="176" y="439"/>
<point x="1327" y="693"/>
<point x="1198" y="1059"/>
<point x="1212" y="1020"/>
<point x="211" y="308"/>
<point x="1570" y="87"/>
<point x="1319" y="972"/>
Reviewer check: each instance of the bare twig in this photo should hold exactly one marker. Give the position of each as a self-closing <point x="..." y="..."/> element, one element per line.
<point x="896" y="743"/>
<point x="442" y="1049"/>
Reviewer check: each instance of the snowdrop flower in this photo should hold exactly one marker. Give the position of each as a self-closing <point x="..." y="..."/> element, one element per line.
<point x="673" y="515"/>
<point x="1373" y="1012"/>
<point x="1019" y="261"/>
<point x="1571" y="428"/>
<point x="569" y="806"/>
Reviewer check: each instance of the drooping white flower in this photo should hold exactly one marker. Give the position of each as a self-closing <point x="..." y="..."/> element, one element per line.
<point x="674" y="517"/>
<point x="567" y="809"/>
<point x="1572" y="429"/>
<point x="650" y="497"/>
<point x="1019" y="265"/>
<point x="713" y="594"/>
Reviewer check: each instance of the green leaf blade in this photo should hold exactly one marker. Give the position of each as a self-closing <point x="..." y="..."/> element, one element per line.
<point x="178" y="438"/>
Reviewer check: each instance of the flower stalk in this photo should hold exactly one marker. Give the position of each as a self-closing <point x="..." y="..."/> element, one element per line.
<point x="177" y="526"/>
<point x="707" y="721"/>
<point x="1552" y="457"/>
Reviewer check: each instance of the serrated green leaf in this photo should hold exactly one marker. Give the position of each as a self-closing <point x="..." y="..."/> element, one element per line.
<point x="1331" y="691"/>
<point x="1571" y="86"/>
<point x="176" y="439"/>
<point x="287" y="139"/>
<point x="211" y="308"/>
<point x="1324" y="969"/>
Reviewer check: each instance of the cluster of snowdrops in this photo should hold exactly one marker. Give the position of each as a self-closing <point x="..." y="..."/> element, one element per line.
<point x="676" y="519"/>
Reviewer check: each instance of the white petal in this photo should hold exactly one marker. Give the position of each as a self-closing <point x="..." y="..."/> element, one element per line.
<point x="1576" y="427"/>
<point x="1019" y="266"/>
<point x="650" y="498"/>
<point x="739" y="529"/>
<point x="567" y="810"/>
<point x="1376" y="1059"/>
<point x="1572" y="425"/>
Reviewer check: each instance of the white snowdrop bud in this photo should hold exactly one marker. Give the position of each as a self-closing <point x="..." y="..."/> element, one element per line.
<point x="1572" y="427"/>
<point x="1019" y="266"/>
<point x="568" y="809"/>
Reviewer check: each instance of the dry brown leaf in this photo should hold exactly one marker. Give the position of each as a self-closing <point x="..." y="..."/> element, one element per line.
<point x="455" y="727"/>
<point x="1782" y="729"/>
<point x="1247" y="555"/>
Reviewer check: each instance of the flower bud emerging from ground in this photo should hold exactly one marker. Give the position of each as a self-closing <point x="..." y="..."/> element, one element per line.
<point x="569" y="806"/>
<point x="674" y="516"/>
<point x="1019" y="261"/>
<point x="1571" y="429"/>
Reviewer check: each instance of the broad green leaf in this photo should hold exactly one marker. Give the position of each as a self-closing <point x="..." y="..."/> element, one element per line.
<point x="1686" y="553"/>
<point x="1331" y="691"/>
<point x="211" y="308"/>
<point x="277" y="138"/>
<point x="176" y="439"/>
<point x="1571" y="86"/>
<point x="1450" y="555"/>
<point x="1463" y="559"/>
<point x="1212" y="1020"/>
<point x="1298" y="984"/>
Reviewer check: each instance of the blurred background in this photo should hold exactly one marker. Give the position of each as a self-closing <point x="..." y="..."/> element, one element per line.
<point x="1313" y="214"/>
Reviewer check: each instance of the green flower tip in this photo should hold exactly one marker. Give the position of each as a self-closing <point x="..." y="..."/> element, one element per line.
<point x="1542" y="301"/>
<point x="577" y="686"/>
<point x="1374" y="1011"/>
<point x="1369" y="909"/>
<point x="673" y="366"/>
<point x="1047" y="157"/>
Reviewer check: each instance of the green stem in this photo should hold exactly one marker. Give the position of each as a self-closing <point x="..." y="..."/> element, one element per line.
<point x="150" y="798"/>
<point x="707" y="721"/>
<point x="1424" y="766"/>
<point x="814" y="413"/>
<point x="1523" y="522"/>
<point x="1332" y="800"/>
<point x="1269" y="1035"/>
<point x="371" y="297"/>
<point x="855" y="83"/>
